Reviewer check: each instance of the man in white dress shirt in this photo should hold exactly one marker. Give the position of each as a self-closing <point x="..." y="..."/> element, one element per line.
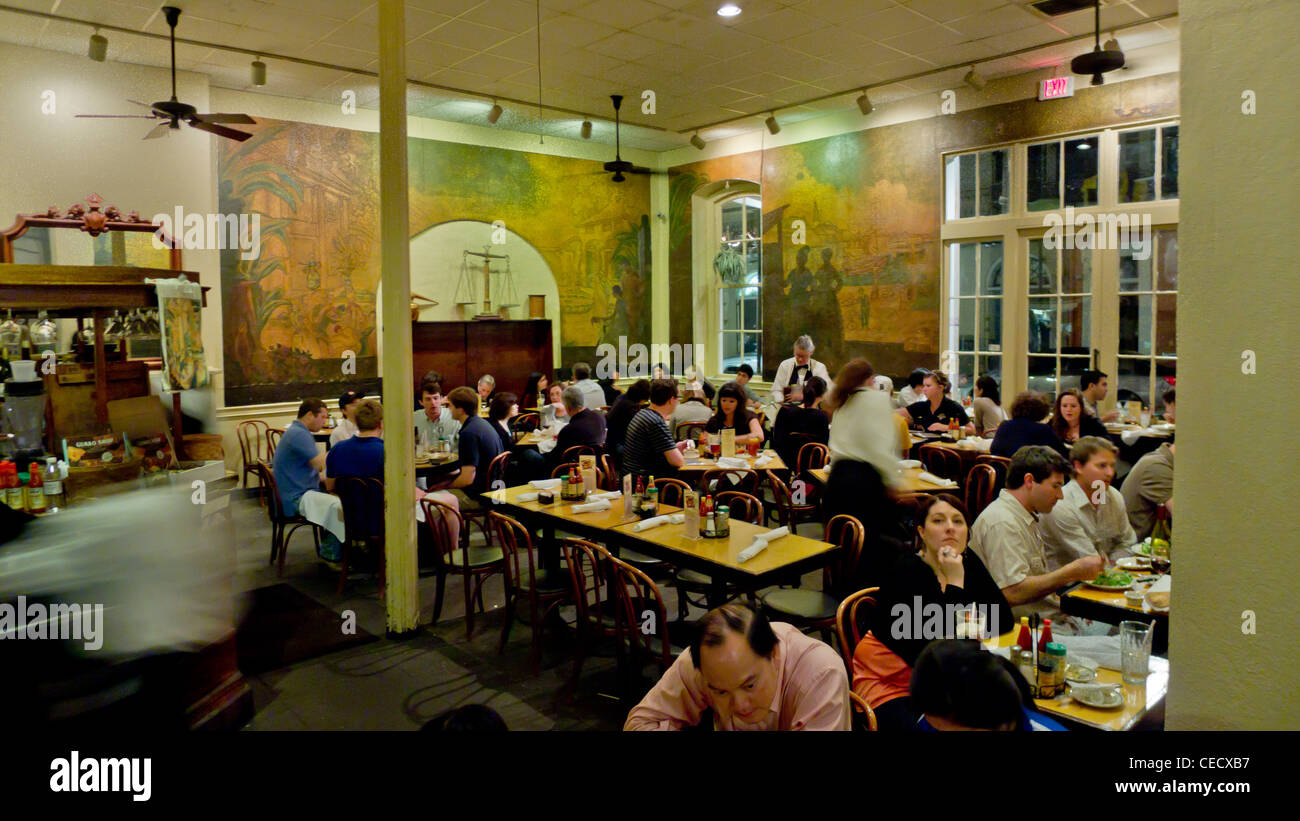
<point x="1090" y="519"/>
<point x="793" y="371"/>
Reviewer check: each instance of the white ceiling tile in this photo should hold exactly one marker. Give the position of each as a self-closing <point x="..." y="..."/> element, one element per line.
<point x="925" y="40"/>
<point x="1155" y="8"/>
<point x="490" y="66"/>
<point x="625" y="46"/>
<point x="944" y="10"/>
<point x="783" y="24"/>
<point x="1082" y="22"/>
<point x="888" y="23"/>
<point x="841" y="11"/>
<point x="623" y="14"/>
<point x="469" y="35"/>
<point x="997" y="21"/>
<point x="574" y="31"/>
<point x="675" y="60"/>
<point x="439" y="54"/>
<point x="672" y="27"/>
<point x="511" y="15"/>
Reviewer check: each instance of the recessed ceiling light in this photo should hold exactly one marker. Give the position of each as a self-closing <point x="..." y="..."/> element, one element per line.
<point x="729" y="10"/>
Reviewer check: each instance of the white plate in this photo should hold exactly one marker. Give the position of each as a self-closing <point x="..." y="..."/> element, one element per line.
<point x="1103" y="697"/>
<point x="1112" y="588"/>
<point x="1131" y="563"/>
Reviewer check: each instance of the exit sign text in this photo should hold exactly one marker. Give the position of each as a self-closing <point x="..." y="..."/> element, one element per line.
<point x="1054" y="88"/>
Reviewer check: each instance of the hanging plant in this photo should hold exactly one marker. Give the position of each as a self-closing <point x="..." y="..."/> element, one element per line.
<point x="729" y="265"/>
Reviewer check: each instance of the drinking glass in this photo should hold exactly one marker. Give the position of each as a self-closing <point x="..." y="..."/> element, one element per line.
<point x="1145" y="417"/>
<point x="1134" y="651"/>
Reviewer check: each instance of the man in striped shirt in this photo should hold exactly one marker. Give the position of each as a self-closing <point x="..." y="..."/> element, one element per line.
<point x="648" y="448"/>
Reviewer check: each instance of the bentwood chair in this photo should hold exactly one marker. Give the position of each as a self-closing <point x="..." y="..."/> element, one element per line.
<point x="251" y="435"/>
<point x="672" y="491"/>
<point x="864" y="718"/>
<point x="572" y="453"/>
<point x="496" y="480"/>
<point x="981" y="487"/>
<point x="562" y="470"/>
<point x="282" y="526"/>
<point x="606" y="467"/>
<point x="588" y="565"/>
<point x="643" y="618"/>
<point x="272" y="439"/>
<point x="456" y="556"/>
<point x="363" y="518"/>
<point x="1000" y="465"/>
<point x="852" y="621"/>
<point x="812" y="455"/>
<point x="525" y="423"/>
<point x="543" y="591"/>
<point x="909" y="514"/>
<point x="942" y="462"/>
<point x="812" y="609"/>
<point x="716" y="480"/>
<point x="791" y="508"/>
<point x="690" y="431"/>
<point x="743" y="507"/>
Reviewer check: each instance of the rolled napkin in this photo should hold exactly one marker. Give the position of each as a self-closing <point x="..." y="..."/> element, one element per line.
<point x="927" y="476"/>
<point x="526" y="497"/>
<point x="655" y="521"/>
<point x="763" y="461"/>
<point x="592" y="507"/>
<point x="606" y="494"/>
<point x="732" y="462"/>
<point x="910" y="463"/>
<point x="761" y="542"/>
<point x="545" y="484"/>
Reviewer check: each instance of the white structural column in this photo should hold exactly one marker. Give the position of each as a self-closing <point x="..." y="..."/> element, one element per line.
<point x="402" y="597"/>
<point x="659" y="296"/>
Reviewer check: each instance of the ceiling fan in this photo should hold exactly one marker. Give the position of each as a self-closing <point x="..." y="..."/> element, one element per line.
<point x="172" y="111"/>
<point x="618" y="165"/>
<point x="1098" y="61"/>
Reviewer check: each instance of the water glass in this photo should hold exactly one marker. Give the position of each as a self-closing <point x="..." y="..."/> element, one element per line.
<point x="1134" y="651"/>
<point x="1145" y="417"/>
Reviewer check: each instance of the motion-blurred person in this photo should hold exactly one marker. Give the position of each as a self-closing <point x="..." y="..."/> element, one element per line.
<point x="956" y="685"/>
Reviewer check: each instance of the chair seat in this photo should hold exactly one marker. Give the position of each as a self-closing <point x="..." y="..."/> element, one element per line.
<point x="478" y="556"/>
<point x="693" y="577"/>
<point x="811" y="605"/>
<point x="632" y="557"/>
<point x="548" y="582"/>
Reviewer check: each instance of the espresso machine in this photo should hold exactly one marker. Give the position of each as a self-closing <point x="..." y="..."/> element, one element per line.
<point x="22" y="423"/>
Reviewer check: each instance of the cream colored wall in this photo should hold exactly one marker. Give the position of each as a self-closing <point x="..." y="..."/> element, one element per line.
<point x="1236" y="553"/>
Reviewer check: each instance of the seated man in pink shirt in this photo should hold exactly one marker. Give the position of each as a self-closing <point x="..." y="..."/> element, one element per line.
<point x="752" y="675"/>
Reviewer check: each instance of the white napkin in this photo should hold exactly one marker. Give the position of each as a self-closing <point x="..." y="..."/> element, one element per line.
<point x="976" y="443"/>
<point x="905" y="464"/>
<point x="1161" y="586"/>
<point x="605" y="494"/>
<point x="526" y="497"/>
<point x="761" y="542"/>
<point x="1102" y="649"/>
<point x="1131" y="436"/>
<point x="930" y="477"/>
<point x="732" y="462"/>
<point x="646" y="524"/>
<point x="545" y="484"/>
<point x="592" y="507"/>
<point x="763" y="461"/>
<point x="324" y="509"/>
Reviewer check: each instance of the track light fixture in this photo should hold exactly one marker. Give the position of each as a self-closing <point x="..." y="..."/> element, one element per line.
<point x="771" y="123"/>
<point x="864" y="104"/>
<point x="974" y="80"/>
<point x="98" y="49"/>
<point x="259" y="72"/>
<point x="586" y="129"/>
<point x="698" y="141"/>
<point x="495" y="113"/>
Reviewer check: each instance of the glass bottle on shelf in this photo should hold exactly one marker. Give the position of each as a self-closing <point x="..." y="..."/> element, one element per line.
<point x="44" y="335"/>
<point x="11" y="338"/>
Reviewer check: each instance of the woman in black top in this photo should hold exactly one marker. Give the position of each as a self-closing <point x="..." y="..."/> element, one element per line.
<point x="1071" y="420"/>
<point x="1026" y="427"/>
<point x="807" y="418"/>
<point x="941" y="576"/>
<point x="935" y="411"/>
<point x="733" y="414"/>
<point x="620" y="416"/>
<point x="526" y="464"/>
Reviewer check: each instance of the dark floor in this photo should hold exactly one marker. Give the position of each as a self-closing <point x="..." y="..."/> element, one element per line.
<point x="398" y="685"/>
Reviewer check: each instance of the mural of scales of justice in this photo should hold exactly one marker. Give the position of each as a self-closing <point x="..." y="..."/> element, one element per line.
<point x="467" y="293"/>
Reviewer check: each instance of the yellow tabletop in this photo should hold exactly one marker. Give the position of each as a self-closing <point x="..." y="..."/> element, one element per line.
<point x="564" y="510"/>
<point x="1138" y="698"/>
<point x="699" y="463"/>
<point x="531" y="439"/>
<point x="911" y="483"/>
<point x="1112" y="597"/>
<point x="725" y="552"/>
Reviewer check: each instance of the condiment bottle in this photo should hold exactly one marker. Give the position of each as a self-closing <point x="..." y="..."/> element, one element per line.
<point x="953" y="428"/>
<point x="1024" y="640"/>
<point x="53" y="485"/>
<point x="13" y="487"/>
<point x="1045" y="638"/>
<point x="721" y="518"/>
<point x="1026" y="666"/>
<point x="654" y="498"/>
<point x="35" y="490"/>
<point x="1056" y="651"/>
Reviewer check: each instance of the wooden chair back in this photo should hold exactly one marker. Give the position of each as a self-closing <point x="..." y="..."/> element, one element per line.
<point x="497" y="470"/>
<point x="514" y="539"/>
<point x="524" y="423"/>
<point x="637" y="596"/>
<point x="847" y="532"/>
<point x="742" y="506"/>
<point x="904" y="433"/>
<point x="572" y="453"/>
<point x="864" y="718"/>
<point x="812" y="455"/>
<point x="562" y="470"/>
<point x="672" y="491"/>
<point x="363" y="507"/>
<point x="981" y="487"/>
<point x="588" y="565"/>
<point x="788" y="510"/>
<point x="270" y="492"/>
<point x="1000" y="465"/>
<point x="690" y="431"/>
<point x="437" y="520"/>
<point x="251" y="434"/>
<point x="606" y="467"/>
<point x="272" y="439"/>
<point x="715" y="480"/>
<point x="910" y="513"/>
<point x="942" y="462"/>
<point x="853" y="620"/>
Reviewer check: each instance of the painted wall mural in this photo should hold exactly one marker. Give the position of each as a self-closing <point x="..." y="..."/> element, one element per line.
<point x="291" y="313"/>
<point x="866" y="283"/>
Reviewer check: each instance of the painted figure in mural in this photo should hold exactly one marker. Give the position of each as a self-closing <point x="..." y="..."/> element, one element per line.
<point x="825" y="305"/>
<point x="864" y="309"/>
<point x="616" y="324"/>
<point x="800" y="279"/>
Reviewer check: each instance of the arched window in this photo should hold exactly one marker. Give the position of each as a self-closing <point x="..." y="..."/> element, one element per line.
<point x="739" y="271"/>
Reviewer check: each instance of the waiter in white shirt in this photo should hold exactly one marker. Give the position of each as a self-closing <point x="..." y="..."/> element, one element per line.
<point x="796" y="369"/>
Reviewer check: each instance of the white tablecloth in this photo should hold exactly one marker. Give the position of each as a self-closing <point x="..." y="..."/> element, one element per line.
<point x="324" y="509"/>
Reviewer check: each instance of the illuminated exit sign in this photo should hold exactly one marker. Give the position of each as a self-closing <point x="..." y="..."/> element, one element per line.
<point x="1053" y="88"/>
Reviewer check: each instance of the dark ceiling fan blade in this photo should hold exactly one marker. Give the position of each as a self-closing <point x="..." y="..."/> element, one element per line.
<point x="636" y="169"/>
<point x="157" y="131"/>
<point x="226" y="118"/>
<point x="116" y="116"/>
<point x="219" y="130"/>
<point x="137" y="102"/>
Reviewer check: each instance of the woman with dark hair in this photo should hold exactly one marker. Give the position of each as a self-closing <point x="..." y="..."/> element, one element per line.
<point x="526" y="463"/>
<point x="938" y="577"/>
<point x="620" y="416"/>
<point x="987" y="407"/>
<point x="1071" y="420"/>
<point x="936" y="411"/>
<point x="1026" y="427"/>
<point x="864" y="461"/>
<point x="503" y="407"/>
<point x="957" y="686"/>
<point x="732" y="414"/>
<point x="537" y="384"/>
<point x="806" y="417"/>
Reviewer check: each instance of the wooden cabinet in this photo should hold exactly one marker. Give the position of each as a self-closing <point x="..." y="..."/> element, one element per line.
<point x="464" y="351"/>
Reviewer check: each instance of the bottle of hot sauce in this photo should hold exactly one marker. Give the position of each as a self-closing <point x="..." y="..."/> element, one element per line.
<point x="35" y="490"/>
<point x="1024" y="639"/>
<point x="1045" y="639"/>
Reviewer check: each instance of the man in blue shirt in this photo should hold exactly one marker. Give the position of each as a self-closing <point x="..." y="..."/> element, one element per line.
<point x="363" y="454"/>
<point x="479" y="445"/>
<point x="298" y="462"/>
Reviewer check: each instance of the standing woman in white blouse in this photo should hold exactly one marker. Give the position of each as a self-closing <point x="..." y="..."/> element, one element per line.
<point x="864" y="462"/>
